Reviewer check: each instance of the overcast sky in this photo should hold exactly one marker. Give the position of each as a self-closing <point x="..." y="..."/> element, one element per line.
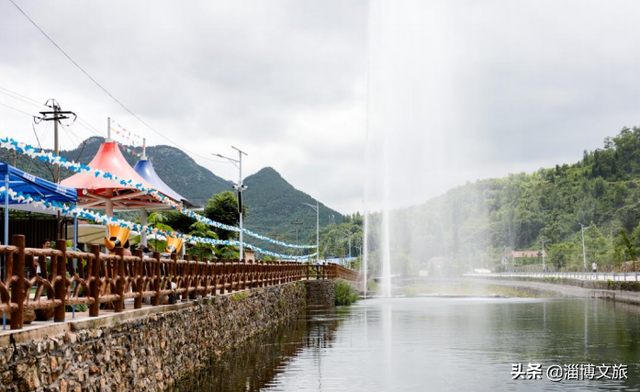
<point x="460" y="89"/>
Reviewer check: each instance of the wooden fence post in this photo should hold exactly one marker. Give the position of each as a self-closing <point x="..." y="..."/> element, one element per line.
<point x="137" y="277"/>
<point x="193" y="273"/>
<point x="17" y="282"/>
<point x="60" y="281"/>
<point x="94" y="282"/>
<point x="156" y="278"/>
<point x="119" y="270"/>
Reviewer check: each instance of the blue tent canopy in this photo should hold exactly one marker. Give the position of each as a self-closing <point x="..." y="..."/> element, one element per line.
<point x="145" y="169"/>
<point x="21" y="181"/>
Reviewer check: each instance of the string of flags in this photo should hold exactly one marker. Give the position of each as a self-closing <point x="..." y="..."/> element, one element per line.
<point x="131" y="137"/>
<point x="81" y="213"/>
<point x="33" y="152"/>
<point x="129" y="150"/>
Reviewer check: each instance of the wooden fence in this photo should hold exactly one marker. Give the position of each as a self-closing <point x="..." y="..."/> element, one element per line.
<point x="58" y="277"/>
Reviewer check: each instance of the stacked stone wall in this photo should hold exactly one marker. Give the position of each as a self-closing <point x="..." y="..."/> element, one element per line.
<point x="141" y="350"/>
<point x="321" y="292"/>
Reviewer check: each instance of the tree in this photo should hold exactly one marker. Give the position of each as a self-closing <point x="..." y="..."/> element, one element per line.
<point x="223" y="208"/>
<point x="199" y="229"/>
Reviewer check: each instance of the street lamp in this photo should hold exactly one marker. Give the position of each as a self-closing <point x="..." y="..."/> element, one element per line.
<point x="544" y="266"/>
<point x="349" y="234"/>
<point x="317" y="209"/>
<point x="584" y="252"/>
<point x="238" y="187"/>
<point x="505" y="259"/>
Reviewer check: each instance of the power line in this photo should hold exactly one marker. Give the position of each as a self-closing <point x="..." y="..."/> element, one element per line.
<point x="104" y="89"/>
<point x="89" y="127"/>
<point x="39" y="106"/>
<point x="23" y="96"/>
<point x="17" y="110"/>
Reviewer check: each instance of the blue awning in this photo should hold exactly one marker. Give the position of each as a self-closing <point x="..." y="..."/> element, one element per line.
<point x="145" y="169"/>
<point x="24" y="182"/>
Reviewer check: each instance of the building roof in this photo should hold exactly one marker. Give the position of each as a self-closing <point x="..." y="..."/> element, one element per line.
<point x="519" y="254"/>
<point x="24" y="182"/>
<point x="145" y="169"/>
<point x="94" y="191"/>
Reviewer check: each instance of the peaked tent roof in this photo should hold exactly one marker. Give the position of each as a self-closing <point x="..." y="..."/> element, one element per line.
<point x="21" y="181"/>
<point x="93" y="192"/>
<point x="145" y="169"/>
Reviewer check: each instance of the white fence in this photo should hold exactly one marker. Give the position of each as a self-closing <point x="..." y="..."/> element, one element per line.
<point x="599" y="276"/>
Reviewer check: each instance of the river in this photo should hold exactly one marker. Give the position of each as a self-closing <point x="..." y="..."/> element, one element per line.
<point x="439" y="344"/>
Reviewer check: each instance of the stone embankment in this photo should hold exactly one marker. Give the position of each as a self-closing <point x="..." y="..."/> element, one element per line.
<point x="144" y="349"/>
<point x="321" y="292"/>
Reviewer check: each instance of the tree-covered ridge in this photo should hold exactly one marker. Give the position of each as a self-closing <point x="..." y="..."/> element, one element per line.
<point x="274" y="204"/>
<point x="475" y="224"/>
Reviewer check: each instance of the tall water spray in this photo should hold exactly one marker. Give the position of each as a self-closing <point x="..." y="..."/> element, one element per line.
<point x="386" y="243"/>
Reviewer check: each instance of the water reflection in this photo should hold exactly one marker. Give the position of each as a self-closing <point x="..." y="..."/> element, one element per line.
<point x="434" y="344"/>
<point x="255" y="364"/>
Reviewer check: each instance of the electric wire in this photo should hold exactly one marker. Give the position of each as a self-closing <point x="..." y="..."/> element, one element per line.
<point x="23" y="96"/>
<point x="17" y="110"/>
<point x="103" y="88"/>
<point x="40" y="106"/>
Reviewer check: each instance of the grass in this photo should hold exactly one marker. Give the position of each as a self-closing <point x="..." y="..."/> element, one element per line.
<point x="345" y="293"/>
<point x="239" y="296"/>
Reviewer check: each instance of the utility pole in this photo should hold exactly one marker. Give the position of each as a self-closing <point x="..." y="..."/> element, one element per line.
<point x="297" y="223"/>
<point x="276" y="236"/>
<point x="55" y="115"/>
<point x="239" y="187"/>
<point x="584" y="252"/>
<point x="544" y="266"/>
<point x="317" y="208"/>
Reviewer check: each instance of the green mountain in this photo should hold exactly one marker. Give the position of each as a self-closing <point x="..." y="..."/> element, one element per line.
<point x="474" y="225"/>
<point x="272" y="203"/>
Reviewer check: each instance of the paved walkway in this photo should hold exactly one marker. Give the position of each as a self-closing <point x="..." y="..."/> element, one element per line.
<point x="558" y="289"/>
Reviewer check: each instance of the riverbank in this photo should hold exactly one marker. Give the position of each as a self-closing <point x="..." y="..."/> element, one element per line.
<point x="570" y="288"/>
<point x="143" y="349"/>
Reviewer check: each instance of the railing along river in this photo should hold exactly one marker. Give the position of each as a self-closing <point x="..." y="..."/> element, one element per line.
<point x="74" y="278"/>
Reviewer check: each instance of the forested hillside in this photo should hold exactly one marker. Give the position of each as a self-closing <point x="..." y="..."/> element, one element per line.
<point x="475" y="224"/>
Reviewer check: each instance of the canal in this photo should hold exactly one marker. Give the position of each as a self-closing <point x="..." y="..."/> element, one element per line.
<point x="439" y="344"/>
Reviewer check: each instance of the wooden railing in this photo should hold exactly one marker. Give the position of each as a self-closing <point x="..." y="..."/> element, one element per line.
<point x="58" y="277"/>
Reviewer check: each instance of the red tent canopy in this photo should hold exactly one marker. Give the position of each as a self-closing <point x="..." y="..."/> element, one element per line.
<point x="101" y="193"/>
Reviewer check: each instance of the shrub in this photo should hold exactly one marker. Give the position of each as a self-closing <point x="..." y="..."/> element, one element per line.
<point x="79" y="308"/>
<point x="345" y="294"/>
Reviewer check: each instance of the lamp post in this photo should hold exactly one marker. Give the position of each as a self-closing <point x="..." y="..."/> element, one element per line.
<point x="317" y="209"/>
<point x="348" y="234"/>
<point x="505" y="260"/>
<point x="238" y="187"/>
<point x="584" y="252"/>
<point x="544" y="266"/>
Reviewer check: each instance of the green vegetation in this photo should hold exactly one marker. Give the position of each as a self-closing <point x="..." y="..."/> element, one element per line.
<point x="345" y="293"/>
<point x="474" y="225"/>
<point x="334" y="239"/>
<point x="239" y="296"/>
<point x="274" y="205"/>
<point x="79" y="308"/>
<point x="223" y="208"/>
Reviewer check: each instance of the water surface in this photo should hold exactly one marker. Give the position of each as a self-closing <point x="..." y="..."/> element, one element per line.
<point x="437" y="344"/>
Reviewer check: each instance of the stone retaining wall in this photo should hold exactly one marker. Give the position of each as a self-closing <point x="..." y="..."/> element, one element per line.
<point x="142" y="350"/>
<point x="321" y="292"/>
